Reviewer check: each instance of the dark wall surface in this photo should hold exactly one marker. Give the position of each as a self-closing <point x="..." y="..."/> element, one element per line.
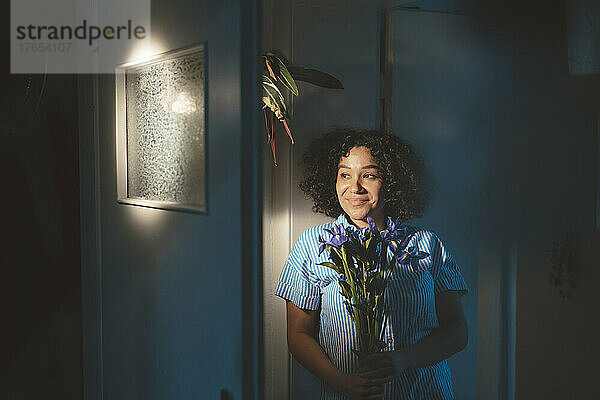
<point x="169" y="285"/>
<point x="40" y="288"/>
<point x="515" y="146"/>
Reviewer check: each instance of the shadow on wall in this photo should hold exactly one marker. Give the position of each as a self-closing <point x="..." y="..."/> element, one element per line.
<point x="40" y="293"/>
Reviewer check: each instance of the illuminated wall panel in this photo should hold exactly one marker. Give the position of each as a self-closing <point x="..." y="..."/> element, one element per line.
<point x="161" y="131"/>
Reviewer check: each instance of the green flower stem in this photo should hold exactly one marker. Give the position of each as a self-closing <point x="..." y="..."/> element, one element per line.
<point x="364" y="276"/>
<point x="364" y="286"/>
<point x="377" y="317"/>
<point x="357" y="320"/>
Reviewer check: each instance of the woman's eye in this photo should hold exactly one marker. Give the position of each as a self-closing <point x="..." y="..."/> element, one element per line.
<point x="369" y="176"/>
<point x="344" y="175"/>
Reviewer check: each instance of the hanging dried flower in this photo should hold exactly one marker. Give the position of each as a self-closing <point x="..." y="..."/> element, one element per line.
<point x="274" y="101"/>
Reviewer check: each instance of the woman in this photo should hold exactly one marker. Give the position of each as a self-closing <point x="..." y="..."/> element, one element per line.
<point x="353" y="175"/>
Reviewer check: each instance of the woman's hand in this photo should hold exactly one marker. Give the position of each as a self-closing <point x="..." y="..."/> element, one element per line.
<point x="358" y="387"/>
<point x="378" y="367"/>
<point x="374" y="371"/>
<point x="302" y="344"/>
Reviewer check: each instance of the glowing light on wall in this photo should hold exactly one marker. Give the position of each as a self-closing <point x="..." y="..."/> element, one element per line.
<point x="183" y="104"/>
<point x="147" y="50"/>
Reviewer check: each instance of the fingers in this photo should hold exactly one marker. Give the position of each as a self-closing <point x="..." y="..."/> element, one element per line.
<point x="371" y="393"/>
<point x="380" y="381"/>
<point x="372" y="359"/>
<point x="379" y="377"/>
<point x="366" y="389"/>
<point x="375" y="361"/>
<point x="377" y="368"/>
<point x="378" y="373"/>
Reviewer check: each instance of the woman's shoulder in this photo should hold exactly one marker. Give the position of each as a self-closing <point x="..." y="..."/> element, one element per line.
<point x="425" y="237"/>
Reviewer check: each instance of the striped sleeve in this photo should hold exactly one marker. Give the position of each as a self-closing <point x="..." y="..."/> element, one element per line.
<point x="445" y="270"/>
<point x="297" y="282"/>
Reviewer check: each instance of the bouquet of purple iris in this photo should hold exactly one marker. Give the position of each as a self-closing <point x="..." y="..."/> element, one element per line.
<point x="360" y="257"/>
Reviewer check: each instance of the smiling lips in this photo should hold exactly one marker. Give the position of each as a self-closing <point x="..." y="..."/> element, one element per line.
<point x="357" y="202"/>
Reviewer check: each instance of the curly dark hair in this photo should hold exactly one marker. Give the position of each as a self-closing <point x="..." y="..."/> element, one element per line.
<point x="405" y="181"/>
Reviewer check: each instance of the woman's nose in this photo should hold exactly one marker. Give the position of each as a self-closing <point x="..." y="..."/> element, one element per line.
<point x="356" y="187"/>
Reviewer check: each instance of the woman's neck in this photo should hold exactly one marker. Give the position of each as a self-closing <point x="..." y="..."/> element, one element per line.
<point x="360" y="223"/>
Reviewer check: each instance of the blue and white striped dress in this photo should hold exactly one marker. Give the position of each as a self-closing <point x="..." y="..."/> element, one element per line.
<point x="411" y="292"/>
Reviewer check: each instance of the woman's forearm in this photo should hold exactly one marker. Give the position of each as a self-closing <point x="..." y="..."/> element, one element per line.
<point x="309" y="353"/>
<point x="439" y="345"/>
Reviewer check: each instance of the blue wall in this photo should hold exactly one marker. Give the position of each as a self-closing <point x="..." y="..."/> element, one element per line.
<point x="170" y="283"/>
<point x="510" y="137"/>
<point x="441" y="76"/>
<point x="482" y="89"/>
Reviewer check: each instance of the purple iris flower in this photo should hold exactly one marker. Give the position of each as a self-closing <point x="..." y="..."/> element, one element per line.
<point x="322" y="244"/>
<point x="395" y="235"/>
<point x="357" y="235"/>
<point x="396" y="230"/>
<point x="412" y="253"/>
<point x="373" y="228"/>
<point x="391" y="224"/>
<point x="337" y="239"/>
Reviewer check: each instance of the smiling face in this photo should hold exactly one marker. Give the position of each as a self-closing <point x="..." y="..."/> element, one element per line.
<point x="358" y="187"/>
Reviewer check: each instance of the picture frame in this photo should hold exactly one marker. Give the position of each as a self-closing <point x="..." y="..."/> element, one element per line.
<point x="161" y="125"/>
